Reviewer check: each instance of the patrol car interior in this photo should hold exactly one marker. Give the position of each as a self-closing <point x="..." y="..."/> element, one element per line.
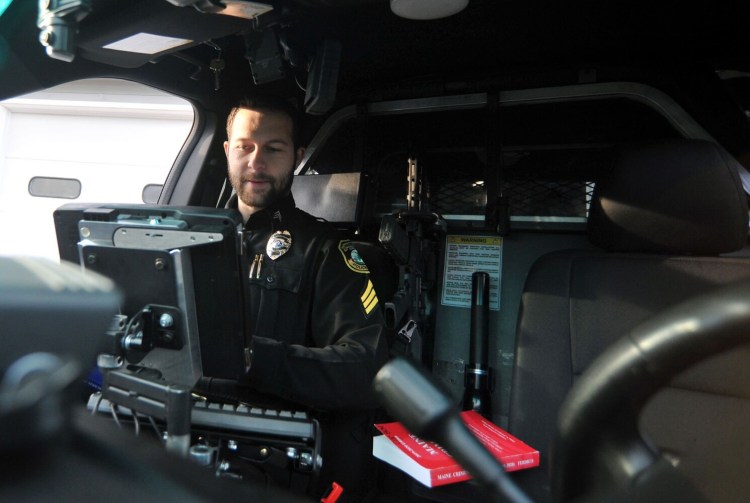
<point x="599" y="151"/>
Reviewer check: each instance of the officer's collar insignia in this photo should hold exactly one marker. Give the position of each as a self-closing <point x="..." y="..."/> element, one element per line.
<point x="352" y="257"/>
<point x="278" y="244"/>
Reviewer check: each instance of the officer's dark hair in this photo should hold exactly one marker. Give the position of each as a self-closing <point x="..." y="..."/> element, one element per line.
<point x="267" y="103"/>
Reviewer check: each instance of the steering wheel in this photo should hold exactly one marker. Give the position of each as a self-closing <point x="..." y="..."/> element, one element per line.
<point x="598" y="451"/>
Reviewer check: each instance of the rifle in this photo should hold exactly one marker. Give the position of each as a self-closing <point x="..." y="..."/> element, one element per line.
<point x="411" y="238"/>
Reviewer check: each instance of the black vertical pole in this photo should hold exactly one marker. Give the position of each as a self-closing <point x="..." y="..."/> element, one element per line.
<point x="477" y="376"/>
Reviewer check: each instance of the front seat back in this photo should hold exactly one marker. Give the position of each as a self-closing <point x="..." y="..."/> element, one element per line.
<point x="661" y="217"/>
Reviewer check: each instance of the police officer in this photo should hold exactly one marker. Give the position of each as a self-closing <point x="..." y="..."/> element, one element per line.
<point x="317" y="328"/>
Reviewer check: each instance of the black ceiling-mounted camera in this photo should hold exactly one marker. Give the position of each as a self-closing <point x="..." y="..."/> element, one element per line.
<point x="58" y="24"/>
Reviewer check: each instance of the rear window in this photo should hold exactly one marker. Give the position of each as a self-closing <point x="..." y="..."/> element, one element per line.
<point x="544" y="156"/>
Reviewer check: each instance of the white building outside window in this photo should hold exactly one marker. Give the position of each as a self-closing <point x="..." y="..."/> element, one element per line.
<point x="97" y="140"/>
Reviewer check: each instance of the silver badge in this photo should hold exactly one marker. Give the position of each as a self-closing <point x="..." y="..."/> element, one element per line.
<point x="278" y="244"/>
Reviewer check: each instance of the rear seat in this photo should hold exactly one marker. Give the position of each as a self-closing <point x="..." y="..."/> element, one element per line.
<point x="661" y="218"/>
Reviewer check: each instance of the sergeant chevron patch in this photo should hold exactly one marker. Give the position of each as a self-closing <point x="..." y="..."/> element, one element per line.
<point x="368" y="298"/>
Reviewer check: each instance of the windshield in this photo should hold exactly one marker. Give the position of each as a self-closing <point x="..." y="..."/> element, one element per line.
<point x="4" y="5"/>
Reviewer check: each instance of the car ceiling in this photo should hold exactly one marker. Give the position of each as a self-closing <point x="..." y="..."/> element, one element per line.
<point x="513" y="42"/>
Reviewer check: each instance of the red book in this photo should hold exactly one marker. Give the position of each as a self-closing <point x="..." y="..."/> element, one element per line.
<point x="429" y="464"/>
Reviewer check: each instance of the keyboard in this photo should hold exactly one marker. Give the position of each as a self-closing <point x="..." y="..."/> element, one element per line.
<point x="240" y="418"/>
<point x="237" y="433"/>
<point x="256" y="420"/>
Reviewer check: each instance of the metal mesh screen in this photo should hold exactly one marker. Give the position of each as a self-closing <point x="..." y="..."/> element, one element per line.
<point x="548" y="198"/>
<point x="525" y="198"/>
<point x="536" y="184"/>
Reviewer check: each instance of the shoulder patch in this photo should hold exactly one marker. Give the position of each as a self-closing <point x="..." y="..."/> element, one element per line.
<point x="352" y="258"/>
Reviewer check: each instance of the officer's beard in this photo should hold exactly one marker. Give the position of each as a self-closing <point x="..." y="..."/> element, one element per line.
<point x="277" y="188"/>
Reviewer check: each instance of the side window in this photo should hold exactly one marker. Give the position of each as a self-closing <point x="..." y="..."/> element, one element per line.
<point x="338" y="153"/>
<point x="97" y="140"/>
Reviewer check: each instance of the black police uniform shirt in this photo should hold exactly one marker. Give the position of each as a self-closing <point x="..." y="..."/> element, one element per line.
<point x="318" y="337"/>
<point x="315" y="318"/>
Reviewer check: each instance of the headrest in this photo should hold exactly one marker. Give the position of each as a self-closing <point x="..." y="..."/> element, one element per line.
<point x="678" y="197"/>
<point x="331" y="197"/>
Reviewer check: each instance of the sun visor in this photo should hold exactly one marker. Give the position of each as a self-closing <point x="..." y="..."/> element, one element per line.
<point x="132" y="34"/>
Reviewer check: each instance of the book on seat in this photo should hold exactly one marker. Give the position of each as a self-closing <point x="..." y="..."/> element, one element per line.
<point x="432" y="466"/>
